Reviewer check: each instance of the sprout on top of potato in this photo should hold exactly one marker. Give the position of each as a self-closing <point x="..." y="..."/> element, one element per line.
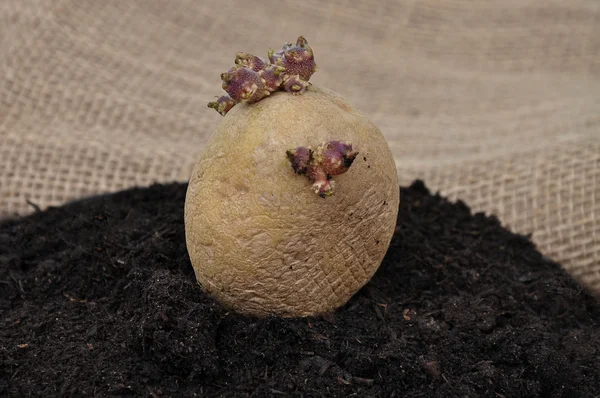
<point x="259" y="238"/>
<point x="252" y="78"/>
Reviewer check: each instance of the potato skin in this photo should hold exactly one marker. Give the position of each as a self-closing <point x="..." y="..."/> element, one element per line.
<point x="260" y="240"/>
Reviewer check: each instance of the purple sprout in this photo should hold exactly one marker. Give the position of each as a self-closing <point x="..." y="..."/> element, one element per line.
<point x="298" y="60"/>
<point x="252" y="78"/>
<point x="223" y="104"/>
<point x="295" y="85"/>
<point x="320" y="165"/>
<point x="250" y="61"/>
<point x="244" y="85"/>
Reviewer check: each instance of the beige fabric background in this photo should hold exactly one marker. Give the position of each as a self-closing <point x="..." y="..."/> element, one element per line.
<point x="496" y="102"/>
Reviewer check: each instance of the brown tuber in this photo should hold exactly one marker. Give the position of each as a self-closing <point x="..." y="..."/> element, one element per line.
<point x="293" y="203"/>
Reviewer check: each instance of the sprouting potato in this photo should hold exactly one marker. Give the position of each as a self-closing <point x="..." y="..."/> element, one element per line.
<point x="293" y="203"/>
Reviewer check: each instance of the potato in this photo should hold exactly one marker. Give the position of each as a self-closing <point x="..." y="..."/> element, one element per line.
<point x="259" y="238"/>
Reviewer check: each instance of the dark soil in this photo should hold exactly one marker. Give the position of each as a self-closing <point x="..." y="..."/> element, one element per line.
<point x="98" y="298"/>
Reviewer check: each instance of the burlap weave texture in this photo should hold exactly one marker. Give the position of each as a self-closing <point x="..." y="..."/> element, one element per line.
<point x="493" y="102"/>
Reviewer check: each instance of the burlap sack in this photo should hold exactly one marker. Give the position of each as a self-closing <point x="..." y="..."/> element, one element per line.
<point x="493" y="102"/>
